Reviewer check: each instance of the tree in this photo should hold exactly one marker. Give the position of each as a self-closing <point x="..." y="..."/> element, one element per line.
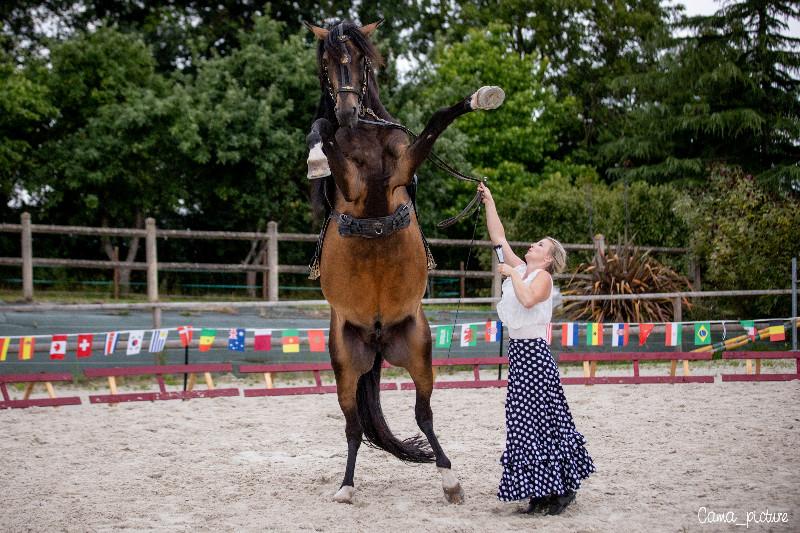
<point x="25" y="108"/>
<point x="725" y="94"/>
<point x="511" y="144"/>
<point x="745" y="236"/>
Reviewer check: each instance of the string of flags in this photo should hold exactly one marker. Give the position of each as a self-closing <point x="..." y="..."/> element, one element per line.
<point x="289" y="340"/>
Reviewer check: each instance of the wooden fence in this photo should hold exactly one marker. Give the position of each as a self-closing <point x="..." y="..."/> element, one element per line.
<point x="269" y="264"/>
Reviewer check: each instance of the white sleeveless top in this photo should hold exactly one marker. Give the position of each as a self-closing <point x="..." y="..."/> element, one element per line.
<point x="522" y="322"/>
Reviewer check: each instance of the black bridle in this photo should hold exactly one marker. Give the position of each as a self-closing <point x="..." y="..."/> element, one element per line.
<point x="363" y="111"/>
<point x="345" y="85"/>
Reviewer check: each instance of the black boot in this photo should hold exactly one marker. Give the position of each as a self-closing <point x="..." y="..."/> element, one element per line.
<point x="538" y="504"/>
<point x="559" y="503"/>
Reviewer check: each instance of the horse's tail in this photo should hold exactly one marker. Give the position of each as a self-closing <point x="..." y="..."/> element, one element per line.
<point x="376" y="432"/>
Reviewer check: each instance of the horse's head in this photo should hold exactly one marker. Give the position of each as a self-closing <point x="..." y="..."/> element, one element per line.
<point x="345" y="57"/>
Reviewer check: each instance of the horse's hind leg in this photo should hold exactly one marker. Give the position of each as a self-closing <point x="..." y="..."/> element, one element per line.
<point x="419" y="367"/>
<point x="347" y="375"/>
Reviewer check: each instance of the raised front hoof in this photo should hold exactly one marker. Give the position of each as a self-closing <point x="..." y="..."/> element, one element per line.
<point x="454" y="494"/>
<point x="488" y="97"/>
<point x="317" y="163"/>
<point x="345" y="494"/>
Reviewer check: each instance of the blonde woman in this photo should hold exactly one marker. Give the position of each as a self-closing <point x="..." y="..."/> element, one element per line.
<point x="545" y="458"/>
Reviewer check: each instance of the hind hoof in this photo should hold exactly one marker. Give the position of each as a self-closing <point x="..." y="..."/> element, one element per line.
<point x="454" y="495"/>
<point x="345" y="494"/>
<point x="317" y="163"/>
<point x="488" y="97"/>
<point x="453" y="492"/>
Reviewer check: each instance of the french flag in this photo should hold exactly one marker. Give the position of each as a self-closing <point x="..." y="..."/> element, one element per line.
<point x="569" y="334"/>
<point x="619" y="334"/>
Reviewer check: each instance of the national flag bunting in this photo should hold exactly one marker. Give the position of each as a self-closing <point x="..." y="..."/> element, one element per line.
<point x="207" y="339"/>
<point x="777" y="333"/>
<point x="468" y="336"/>
<point x="158" y="340"/>
<point x="134" y="342"/>
<point x="236" y="338"/>
<point x="702" y="333"/>
<point x="749" y="328"/>
<point x="494" y="331"/>
<point x="619" y="334"/>
<point x="444" y="336"/>
<point x="569" y="334"/>
<point x="26" y="348"/>
<point x="644" y="331"/>
<point x="185" y="333"/>
<point x="111" y="342"/>
<point x="672" y="335"/>
<point x="594" y="334"/>
<point x="85" y="343"/>
<point x="58" y="347"/>
<point x="263" y="340"/>
<point x="4" y="342"/>
<point x="291" y="341"/>
<point x="316" y="340"/>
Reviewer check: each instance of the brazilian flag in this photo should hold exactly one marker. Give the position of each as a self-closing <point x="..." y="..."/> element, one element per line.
<point x="702" y="333"/>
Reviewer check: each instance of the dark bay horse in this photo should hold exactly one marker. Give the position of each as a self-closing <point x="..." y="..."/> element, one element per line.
<point x="373" y="264"/>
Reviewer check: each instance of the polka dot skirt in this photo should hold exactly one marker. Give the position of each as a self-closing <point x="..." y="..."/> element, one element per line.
<point x="544" y="452"/>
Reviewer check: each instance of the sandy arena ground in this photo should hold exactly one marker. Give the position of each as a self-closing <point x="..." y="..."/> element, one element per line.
<point x="273" y="464"/>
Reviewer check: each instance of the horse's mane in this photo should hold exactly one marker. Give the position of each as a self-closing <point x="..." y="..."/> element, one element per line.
<point x="336" y="48"/>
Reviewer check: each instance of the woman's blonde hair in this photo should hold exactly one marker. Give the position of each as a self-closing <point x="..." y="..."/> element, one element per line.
<point x="558" y="255"/>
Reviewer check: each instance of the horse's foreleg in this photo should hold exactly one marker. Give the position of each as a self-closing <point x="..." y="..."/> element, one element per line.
<point x="487" y="97"/>
<point x="317" y="162"/>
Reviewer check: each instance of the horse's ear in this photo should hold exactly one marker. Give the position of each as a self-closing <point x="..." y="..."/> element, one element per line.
<point x="370" y="28"/>
<point x="320" y="33"/>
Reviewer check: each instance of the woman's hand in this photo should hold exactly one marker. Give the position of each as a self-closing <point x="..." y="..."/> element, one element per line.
<point x="504" y="269"/>
<point x="486" y="194"/>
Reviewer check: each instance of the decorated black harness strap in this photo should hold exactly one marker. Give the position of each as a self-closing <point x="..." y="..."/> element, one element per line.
<point x="368" y="228"/>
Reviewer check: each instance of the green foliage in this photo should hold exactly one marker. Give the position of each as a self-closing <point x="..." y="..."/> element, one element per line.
<point x="243" y="129"/>
<point x="24" y="109"/>
<point x="573" y="210"/>
<point x="744" y="235"/>
<point x="726" y="93"/>
<point x="510" y="144"/>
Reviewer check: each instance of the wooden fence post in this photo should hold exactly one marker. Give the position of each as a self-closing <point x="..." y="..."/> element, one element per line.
<point x="27" y="257"/>
<point x="599" y="251"/>
<point x="116" y="273"/>
<point x="272" y="260"/>
<point x="151" y="253"/>
<point x="461" y="287"/>
<point x="264" y="275"/>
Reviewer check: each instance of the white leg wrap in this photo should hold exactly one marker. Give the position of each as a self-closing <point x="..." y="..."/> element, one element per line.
<point x="317" y="163"/>
<point x="487" y="97"/>
<point x="345" y="494"/>
<point x="452" y="488"/>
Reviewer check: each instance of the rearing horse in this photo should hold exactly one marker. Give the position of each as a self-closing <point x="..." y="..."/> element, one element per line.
<point x="373" y="264"/>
